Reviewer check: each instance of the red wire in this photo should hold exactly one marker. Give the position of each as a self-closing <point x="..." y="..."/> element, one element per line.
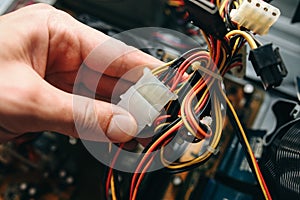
<point x="182" y="69"/>
<point x="111" y="168"/>
<point x="202" y="134"/>
<point x="212" y="44"/>
<point x="202" y="103"/>
<point x="140" y="178"/>
<point x="151" y="149"/>
<point x="237" y="64"/>
<point x="160" y="118"/>
<point x="262" y="178"/>
<point x="217" y="58"/>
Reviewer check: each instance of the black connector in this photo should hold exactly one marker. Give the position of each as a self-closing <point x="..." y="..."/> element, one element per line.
<point x="268" y="65"/>
<point x="206" y="16"/>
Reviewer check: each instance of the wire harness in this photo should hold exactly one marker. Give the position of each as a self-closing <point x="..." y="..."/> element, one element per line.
<point x="196" y="115"/>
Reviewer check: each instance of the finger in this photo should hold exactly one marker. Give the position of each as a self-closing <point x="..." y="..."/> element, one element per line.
<point x="98" y="84"/>
<point x="90" y="119"/>
<point x="82" y="90"/>
<point x="116" y="59"/>
<point x="6" y="135"/>
<point x="35" y="105"/>
<point x="104" y="85"/>
<point x="98" y="51"/>
<point x="101" y="121"/>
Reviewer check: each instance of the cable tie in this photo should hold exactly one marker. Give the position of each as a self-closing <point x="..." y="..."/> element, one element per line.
<point x="197" y="66"/>
<point x="213" y="150"/>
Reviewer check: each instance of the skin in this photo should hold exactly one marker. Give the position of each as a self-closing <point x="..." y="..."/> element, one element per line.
<point x="41" y="51"/>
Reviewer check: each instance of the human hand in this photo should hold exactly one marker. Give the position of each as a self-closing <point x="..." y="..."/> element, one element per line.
<point x="41" y="52"/>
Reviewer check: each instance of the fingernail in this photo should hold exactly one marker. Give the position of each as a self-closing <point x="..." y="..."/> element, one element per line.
<point x="122" y="128"/>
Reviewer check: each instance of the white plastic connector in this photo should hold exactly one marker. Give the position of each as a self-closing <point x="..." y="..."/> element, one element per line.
<point x="255" y="15"/>
<point x="146" y="98"/>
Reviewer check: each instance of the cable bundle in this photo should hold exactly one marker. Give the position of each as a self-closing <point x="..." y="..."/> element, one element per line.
<point x="197" y="115"/>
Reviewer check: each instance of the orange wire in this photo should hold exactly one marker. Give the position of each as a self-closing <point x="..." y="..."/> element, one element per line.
<point x="160" y="118"/>
<point x="183" y="67"/>
<point x="188" y="107"/>
<point x="151" y="149"/>
<point x="111" y="167"/>
<point x="144" y="172"/>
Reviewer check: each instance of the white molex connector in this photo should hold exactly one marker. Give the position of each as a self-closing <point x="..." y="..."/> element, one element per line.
<point x="146" y="99"/>
<point x="255" y="15"/>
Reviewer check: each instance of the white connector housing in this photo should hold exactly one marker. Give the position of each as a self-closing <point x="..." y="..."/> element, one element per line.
<point x="145" y="99"/>
<point x="255" y="15"/>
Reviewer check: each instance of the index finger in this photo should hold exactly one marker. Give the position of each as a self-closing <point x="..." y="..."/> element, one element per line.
<point x="108" y="55"/>
<point x="114" y="58"/>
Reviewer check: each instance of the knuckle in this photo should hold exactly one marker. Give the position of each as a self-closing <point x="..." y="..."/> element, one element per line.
<point x="44" y="6"/>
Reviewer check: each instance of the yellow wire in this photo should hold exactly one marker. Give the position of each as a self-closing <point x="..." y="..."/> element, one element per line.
<point x="222" y="7"/>
<point x="203" y="96"/>
<point x="236" y="4"/>
<point x="159" y="71"/>
<point x="235" y="45"/>
<point x="182" y="109"/>
<point x="160" y="126"/>
<point x="113" y="191"/>
<point x="183" y="117"/>
<point x="207" y="41"/>
<point x="162" y="68"/>
<point x="248" y="37"/>
<point x="249" y="149"/>
<point x="213" y="146"/>
<point x="174" y="4"/>
<point x="222" y="65"/>
<point x="218" y="4"/>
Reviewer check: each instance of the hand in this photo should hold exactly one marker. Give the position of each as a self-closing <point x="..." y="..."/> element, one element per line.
<point x="42" y="49"/>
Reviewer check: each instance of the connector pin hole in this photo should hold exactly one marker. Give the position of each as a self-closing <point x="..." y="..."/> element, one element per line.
<point x="266" y="9"/>
<point x="258" y="5"/>
<point x="249" y="1"/>
<point x="274" y="14"/>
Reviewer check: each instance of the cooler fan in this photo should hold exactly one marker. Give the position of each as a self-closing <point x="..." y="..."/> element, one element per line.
<point x="280" y="163"/>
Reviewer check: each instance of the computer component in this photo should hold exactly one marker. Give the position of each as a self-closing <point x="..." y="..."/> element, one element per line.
<point x="281" y="159"/>
<point x="255" y="15"/>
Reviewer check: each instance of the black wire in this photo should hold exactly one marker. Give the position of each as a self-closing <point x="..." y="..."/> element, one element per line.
<point x="227" y="16"/>
<point x="241" y="140"/>
<point x="190" y="52"/>
<point x="160" y="133"/>
<point x="233" y="40"/>
<point x="204" y="127"/>
<point x="117" y="184"/>
<point x="187" y="168"/>
<point x="105" y="177"/>
<point x="254" y="38"/>
<point x="226" y="46"/>
<point x="235" y="57"/>
<point x="175" y="105"/>
<point x="162" y="76"/>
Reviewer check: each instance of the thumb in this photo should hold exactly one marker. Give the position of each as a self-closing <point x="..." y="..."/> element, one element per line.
<point x="100" y="121"/>
<point x="85" y="118"/>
